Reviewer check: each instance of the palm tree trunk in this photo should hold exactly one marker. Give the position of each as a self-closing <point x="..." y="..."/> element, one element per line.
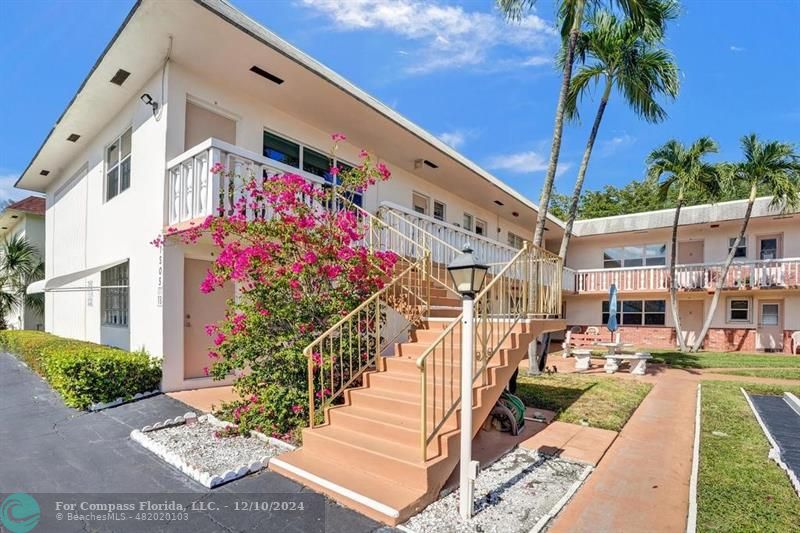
<point x="576" y="193"/>
<point x="555" y="148"/>
<point x="724" y="274"/>
<point x="673" y="286"/>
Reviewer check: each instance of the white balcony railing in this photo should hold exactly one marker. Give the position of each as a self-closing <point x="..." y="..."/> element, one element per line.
<point x="772" y="273"/>
<point x="490" y="252"/>
<point x="194" y="192"/>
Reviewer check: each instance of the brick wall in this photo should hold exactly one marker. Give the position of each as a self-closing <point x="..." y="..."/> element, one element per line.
<point x="718" y="339"/>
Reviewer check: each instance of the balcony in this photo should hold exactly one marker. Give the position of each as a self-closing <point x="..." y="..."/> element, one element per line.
<point x="194" y="192"/>
<point x="742" y="275"/>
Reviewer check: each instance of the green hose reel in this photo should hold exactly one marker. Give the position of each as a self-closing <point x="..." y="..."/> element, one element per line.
<point x="509" y="413"/>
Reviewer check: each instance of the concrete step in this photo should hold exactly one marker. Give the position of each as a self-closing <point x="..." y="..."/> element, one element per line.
<point x="380" y="498"/>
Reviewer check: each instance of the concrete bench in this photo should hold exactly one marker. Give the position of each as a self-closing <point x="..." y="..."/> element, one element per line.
<point x="580" y="346"/>
<point x="638" y="362"/>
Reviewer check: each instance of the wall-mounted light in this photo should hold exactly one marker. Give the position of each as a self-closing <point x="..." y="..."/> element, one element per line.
<point x="148" y="100"/>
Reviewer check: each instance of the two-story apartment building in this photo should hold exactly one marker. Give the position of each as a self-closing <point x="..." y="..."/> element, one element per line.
<point x="759" y="308"/>
<point x="183" y="85"/>
<point x="186" y="84"/>
<point x="24" y="219"/>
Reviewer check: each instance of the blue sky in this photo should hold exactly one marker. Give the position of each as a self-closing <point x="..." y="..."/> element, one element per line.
<point x="455" y="68"/>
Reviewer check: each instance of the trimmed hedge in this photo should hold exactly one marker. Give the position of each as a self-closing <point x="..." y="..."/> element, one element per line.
<point x="84" y="373"/>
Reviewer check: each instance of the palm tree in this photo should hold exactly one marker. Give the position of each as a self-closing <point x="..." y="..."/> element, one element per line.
<point x="684" y="169"/>
<point x="571" y="14"/>
<point x="20" y="265"/>
<point x="772" y="167"/>
<point x="628" y="58"/>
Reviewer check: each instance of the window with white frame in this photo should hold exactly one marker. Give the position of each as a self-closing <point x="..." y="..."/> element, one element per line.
<point x="118" y="165"/>
<point x="741" y="250"/>
<point x="420" y="203"/>
<point x="515" y="240"/>
<point x="468" y="222"/>
<point x="637" y="312"/>
<point x="439" y="210"/>
<point x="282" y="150"/>
<point x="739" y="309"/>
<point x="114" y="293"/>
<point x="481" y="228"/>
<point x="635" y="256"/>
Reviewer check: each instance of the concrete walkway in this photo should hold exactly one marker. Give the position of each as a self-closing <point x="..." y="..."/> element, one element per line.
<point x="642" y="483"/>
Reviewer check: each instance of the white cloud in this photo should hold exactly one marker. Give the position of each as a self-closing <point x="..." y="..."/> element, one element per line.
<point x="448" y="36"/>
<point x="611" y="146"/>
<point x="7" y="190"/>
<point x="734" y="48"/>
<point x="524" y="163"/>
<point x="537" y="61"/>
<point x="457" y="138"/>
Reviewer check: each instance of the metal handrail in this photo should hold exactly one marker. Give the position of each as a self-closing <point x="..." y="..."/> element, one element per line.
<point x="528" y="285"/>
<point x="355" y="343"/>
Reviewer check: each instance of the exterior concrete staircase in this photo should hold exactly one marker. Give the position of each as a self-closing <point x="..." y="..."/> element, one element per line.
<point x="368" y="455"/>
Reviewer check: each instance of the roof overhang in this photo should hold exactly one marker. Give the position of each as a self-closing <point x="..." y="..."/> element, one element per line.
<point x="693" y="215"/>
<point x="140" y="47"/>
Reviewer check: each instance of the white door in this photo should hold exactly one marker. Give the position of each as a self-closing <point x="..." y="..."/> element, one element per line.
<point x="691" y="316"/>
<point x="769" y="335"/>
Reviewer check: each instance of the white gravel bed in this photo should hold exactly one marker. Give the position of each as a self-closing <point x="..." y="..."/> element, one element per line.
<point x="189" y="444"/>
<point x="518" y="493"/>
<point x="200" y="449"/>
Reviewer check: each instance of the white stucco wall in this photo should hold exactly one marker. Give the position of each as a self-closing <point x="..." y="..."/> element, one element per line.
<point x="84" y="231"/>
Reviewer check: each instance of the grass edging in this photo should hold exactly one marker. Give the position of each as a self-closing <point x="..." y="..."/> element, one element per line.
<point x="774" y="451"/>
<point x="739" y="487"/>
<point x="691" y="520"/>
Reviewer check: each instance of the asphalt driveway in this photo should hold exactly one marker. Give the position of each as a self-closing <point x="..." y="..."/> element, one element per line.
<point x="46" y="447"/>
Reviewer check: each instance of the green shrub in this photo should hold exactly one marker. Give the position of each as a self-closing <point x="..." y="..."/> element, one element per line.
<point x="83" y="372"/>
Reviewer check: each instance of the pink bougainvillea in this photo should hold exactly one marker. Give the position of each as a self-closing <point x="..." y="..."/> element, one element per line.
<point x="296" y="253"/>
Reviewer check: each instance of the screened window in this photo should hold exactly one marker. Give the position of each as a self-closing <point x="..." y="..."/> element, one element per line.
<point x="480" y="227"/>
<point x="419" y="203"/>
<point x="118" y="165"/>
<point x="114" y="296"/>
<point x="741" y="250"/>
<point x="637" y="312"/>
<point x="515" y="240"/>
<point x="468" y="222"/>
<point x="281" y="150"/>
<point x="439" y="210"/>
<point x="738" y="310"/>
<point x="635" y="256"/>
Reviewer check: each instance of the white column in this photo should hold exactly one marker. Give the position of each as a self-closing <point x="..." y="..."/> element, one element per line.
<point x="466" y="504"/>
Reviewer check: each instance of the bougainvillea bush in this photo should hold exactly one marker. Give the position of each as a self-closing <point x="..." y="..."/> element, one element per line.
<point x="293" y="251"/>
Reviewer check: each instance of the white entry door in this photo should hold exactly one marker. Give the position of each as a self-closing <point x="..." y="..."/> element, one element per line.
<point x="769" y="336"/>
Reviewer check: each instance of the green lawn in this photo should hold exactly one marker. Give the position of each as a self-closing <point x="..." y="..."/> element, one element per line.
<point x="602" y="402"/>
<point x="723" y="360"/>
<point x="740" y="488"/>
<point x="780" y="373"/>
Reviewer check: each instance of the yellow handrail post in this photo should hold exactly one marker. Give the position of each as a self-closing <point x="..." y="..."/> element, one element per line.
<point x="310" y="359"/>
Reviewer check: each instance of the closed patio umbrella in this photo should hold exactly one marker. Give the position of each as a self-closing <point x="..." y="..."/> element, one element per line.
<point x="612" y="309"/>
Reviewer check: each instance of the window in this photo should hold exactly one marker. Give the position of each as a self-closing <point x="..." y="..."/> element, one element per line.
<point x="281" y="150"/>
<point x="741" y="250"/>
<point x="316" y="163"/>
<point x="515" y="240"/>
<point x="480" y="227"/>
<point x="770" y="314"/>
<point x="635" y="256"/>
<point x="637" y="312"/>
<point x="114" y="296"/>
<point x="356" y="197"/>
<point x="439" y="210"/>
<point x="738" y="310"/>
<point x="118" y="165"/>
<point x="468" y="222"/>
<point x="768" y="248"/>
<point x="420" y="203"/>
